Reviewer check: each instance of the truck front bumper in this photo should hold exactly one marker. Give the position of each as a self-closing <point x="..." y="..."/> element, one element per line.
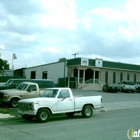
<point x="27" y="112"/>
<point x="4" y="101"/>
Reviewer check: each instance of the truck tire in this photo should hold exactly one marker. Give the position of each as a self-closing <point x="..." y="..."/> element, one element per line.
<point x="43" y="115"/>
<point x="27" y="117"/>
<point x="14" y="102"/>
<point x="121" y="90"/>
<point x="87" y="111"/>
<point x="70" y="114"/>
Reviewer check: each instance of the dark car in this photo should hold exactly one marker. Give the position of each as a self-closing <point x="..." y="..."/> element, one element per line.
<point x="44" y="83"/>
<point x="12" y="83"/>
<point x="110" y="87"/>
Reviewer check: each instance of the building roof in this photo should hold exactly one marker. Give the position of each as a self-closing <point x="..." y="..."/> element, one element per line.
<point x="105" y="64"/>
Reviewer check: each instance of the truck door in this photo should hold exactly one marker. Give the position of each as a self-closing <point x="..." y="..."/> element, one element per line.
<point x="31" y="92"/>
<point x="64" y="102"/>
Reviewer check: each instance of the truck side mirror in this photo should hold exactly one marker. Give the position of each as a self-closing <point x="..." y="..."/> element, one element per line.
<point x="64" y="98"/>
<point x="29" y="90"/>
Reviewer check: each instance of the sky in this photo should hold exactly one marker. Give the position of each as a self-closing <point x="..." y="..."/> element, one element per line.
<point x="43" y="31"/>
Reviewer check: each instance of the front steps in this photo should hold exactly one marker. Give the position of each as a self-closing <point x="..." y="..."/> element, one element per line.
<point x="90" y="86"/>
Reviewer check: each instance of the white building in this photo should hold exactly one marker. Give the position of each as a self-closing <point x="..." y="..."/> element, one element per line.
<point x="84" y="72"/>
<point x="52" y="71"/>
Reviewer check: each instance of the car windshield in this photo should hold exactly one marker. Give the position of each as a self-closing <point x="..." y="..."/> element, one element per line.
<point x="129" y="83"/>
<point x="111" y="85"/>
<point x="22" y="86"/>
<point x="9" y="82"/>
<point x="51" y="93"/>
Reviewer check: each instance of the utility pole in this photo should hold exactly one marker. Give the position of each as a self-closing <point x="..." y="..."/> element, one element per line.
<point x="75" y="54"/>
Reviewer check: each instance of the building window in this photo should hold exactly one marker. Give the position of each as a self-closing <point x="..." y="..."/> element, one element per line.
<point x="135" y="78"/>
<point x="33" y="75"/>
<point x="96" y="74"/>
<point x="121" y="77"/>
<point x="106" y="76"/>
<point x="128" y="76"/>
<point x="44" y="75"/>
<point x="114" y="77"/>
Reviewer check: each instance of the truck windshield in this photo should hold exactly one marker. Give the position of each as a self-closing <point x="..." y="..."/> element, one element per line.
<point x="9" y="82"/>
<point x="51" y="93"/>
<point x="22" y="86"/>
<point x="128" y="83"/>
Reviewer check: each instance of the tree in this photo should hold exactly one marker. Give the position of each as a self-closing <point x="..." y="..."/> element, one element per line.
<point x="62" y="59"/>
<point x="4" y="65"/>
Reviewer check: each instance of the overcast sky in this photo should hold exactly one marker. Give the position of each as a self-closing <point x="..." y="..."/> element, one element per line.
<point x="42" y="31"/>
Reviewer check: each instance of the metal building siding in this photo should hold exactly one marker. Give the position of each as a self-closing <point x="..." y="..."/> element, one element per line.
<point x="106" y="64"/>
<point x="91" y="62"/>
<point x="54" y="71"/>
<point x="119" y="65"/>
<point x="75" y="61"/>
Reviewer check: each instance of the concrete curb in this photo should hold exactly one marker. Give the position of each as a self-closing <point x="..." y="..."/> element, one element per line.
<point x="3" y="116"/>
<point x="121" y="105"/>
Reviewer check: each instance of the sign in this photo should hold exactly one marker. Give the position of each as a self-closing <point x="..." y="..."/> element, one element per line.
<point x="98" y="62"/>
<point x="84" y="61"/>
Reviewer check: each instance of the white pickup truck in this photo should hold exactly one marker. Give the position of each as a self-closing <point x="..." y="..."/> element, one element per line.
<point x="23" y="91"/>
<point x="56" y="101"/>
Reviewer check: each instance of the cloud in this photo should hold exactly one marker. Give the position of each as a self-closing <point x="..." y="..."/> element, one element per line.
<point x="49" y="30"/>
<point x="62" y="14"/>
<point x="50" y="49"/>
<point x="111" y="33"/>
<point x="2" y="47"/>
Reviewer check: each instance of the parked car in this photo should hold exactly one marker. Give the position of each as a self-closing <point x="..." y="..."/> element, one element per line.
<point x="24" y="90"/>
<point x="108" y="87"/>
<point x="43" y="83"/>
<point x="137" y="86"/>
<point x="13" y="83"/>
<point x="127" y="86"/>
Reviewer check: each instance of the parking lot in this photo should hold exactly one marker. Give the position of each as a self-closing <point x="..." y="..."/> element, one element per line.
<point x="120" y="112"/>
<point x="111" y="100"/>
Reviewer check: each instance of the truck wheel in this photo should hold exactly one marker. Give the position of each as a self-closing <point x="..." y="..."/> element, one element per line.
<point x="87" y="111"/>
<point x="43" y="115"/>
<point x="121" y="90"/>
<point x="27" y="117"/>
<point x="70" y="114"/>
<point x="14" y="103"/>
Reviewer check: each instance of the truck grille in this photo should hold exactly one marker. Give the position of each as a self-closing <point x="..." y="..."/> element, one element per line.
<point x="23" y="106"/>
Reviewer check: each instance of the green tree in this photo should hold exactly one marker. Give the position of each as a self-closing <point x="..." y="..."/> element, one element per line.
<point x="4" y="65"/>
<point x="62" y="59"/>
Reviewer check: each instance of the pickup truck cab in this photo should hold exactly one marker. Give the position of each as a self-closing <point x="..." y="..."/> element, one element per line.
<point x="56" y="101"/>
<point x="23" y="91"/>
<point x="127" y="86"/>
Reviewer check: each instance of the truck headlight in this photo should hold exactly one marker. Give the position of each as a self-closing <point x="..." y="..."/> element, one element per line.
<point x="5" y="96"/>
<point x="31" y="105"/>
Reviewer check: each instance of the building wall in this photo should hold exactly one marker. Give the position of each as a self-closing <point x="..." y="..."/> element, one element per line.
<point x="118" y="73"/>
<point x="54" y="71"/>
<point x="60" y="70"/>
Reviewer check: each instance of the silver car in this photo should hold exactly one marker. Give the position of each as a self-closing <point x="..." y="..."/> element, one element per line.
<point x="127" y="86"/>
